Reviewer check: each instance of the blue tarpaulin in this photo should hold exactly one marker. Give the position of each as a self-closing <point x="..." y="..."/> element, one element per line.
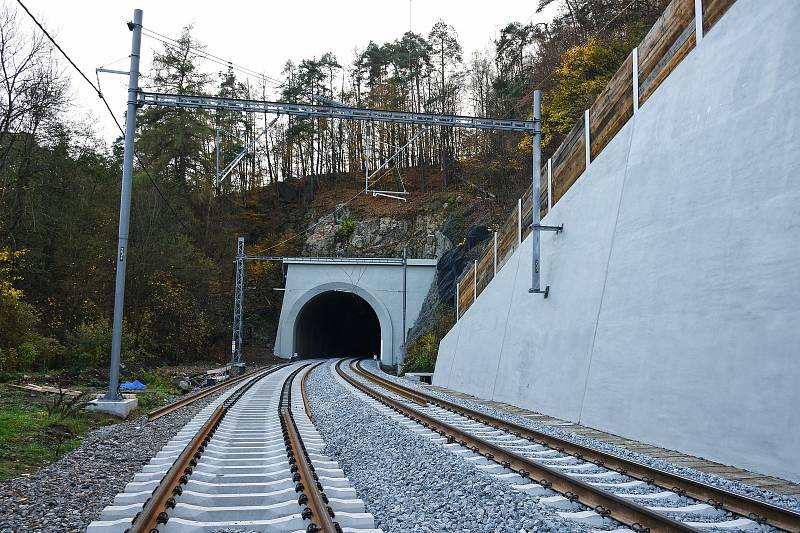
<point x="133" y="385"/>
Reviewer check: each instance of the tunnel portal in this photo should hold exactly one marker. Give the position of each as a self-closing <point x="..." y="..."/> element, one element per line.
<point x="337" y="324"/>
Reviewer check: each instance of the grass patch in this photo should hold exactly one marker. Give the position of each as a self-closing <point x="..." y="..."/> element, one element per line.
<point x="34" y="433"/>
<point x="38" y="429"/>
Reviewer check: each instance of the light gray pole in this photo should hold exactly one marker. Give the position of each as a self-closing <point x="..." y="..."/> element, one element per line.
<point x="405" y="265"/>
<point x="216" y="155"/>
<point x="535" y="207"/>
<point x="125" y="207"/>
<point x="536" y="203"/>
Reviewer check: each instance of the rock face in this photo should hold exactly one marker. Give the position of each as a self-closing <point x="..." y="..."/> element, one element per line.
<point x="448" y="269"/>
<point x="341" y="234"/>
<point x="428" y="235"/>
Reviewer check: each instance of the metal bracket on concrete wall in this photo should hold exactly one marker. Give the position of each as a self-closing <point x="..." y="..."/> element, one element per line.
<point x="546" y="291"/>
<point x="539" y="227"/>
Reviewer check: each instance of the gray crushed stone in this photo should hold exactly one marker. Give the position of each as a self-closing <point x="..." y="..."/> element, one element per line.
<point x="66" y="496"/>
<point x="711" y="479"/>
<point x="411" y="484"/>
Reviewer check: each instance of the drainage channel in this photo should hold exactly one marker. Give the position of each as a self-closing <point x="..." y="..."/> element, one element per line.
<point x="251" y="460"/>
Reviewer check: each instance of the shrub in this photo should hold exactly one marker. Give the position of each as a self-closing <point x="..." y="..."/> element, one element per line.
<point x="346" y="228"/>
<point x="180" y="329"/>
<point x="421" y="352"/>
<point x="90" y="344"/>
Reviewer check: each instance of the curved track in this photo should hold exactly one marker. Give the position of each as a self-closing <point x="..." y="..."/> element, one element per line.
<point x="183" y="402"/>
<point x="637" y="495"/>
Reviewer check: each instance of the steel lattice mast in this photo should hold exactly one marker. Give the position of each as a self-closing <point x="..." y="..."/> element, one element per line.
<point x="238" y="305"/>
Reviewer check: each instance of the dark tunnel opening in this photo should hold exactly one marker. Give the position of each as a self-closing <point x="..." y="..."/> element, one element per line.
<point x="337" y="324"/>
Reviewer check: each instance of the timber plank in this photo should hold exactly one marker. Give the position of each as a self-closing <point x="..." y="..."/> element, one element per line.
<point x="713" y="11"/>
<point x="613" y="107"/>
<point x="682" y="46"/>
<point x="569" y="161"/>
<point x="661" y="37"/>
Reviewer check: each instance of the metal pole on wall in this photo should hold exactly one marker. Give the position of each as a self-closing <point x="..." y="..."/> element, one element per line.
<point x="125" y="206"/>
<point x="403" y="350"/>
<point x="535" y="207"/>
<point x="238" y="305"/>
<point x="536" y="227"/>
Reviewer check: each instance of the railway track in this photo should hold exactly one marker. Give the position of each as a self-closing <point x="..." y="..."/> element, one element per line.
<point x="640" y="497"/>
<point x="183" y="402"/>
<point x="251" y="460"/>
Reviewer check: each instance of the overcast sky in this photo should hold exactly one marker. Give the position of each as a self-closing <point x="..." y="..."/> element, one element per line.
<point x="258" y="35"/>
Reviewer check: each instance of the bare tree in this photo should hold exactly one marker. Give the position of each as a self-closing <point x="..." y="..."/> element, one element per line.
<point x="33" y="91"/>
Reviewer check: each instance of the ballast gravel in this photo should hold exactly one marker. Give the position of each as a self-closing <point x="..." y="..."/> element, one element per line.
<point x="408" y="482"/>
<point x="68" y="494"/>
<point x="734" y="486"/>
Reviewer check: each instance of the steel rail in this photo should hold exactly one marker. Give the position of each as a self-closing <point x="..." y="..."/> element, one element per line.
<point x="637" y="517"/>
<point x="751" y="508"/>
<point x="167" y="409"/>
<point x="303" y="381"/>
<point x="307" y="482"/>
<point x="392" y="386"/>
<point x="154" y="512"/>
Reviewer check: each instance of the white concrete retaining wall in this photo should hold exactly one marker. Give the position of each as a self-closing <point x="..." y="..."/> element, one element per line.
<point x="674" y="312"/>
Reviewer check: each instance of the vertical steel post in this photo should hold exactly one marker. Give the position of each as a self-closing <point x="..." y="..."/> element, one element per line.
<point x="238" y="305"/>
<point x="216" y="156"/>
<point x="519" y="221"/>
<point x="125" y="207"/>
<point x="549" y="185"/>
<point x="495" y="253"/>
<point x="367" y="154"/>
<point x="587" y="138"/>
<point x="457" y="295"/>
<point x="635" y="80"/>
<point x="405" y="336"/>
<point x="698" y="21"/>
<point x="475" y="280"/>
<point x="535" y="200"/>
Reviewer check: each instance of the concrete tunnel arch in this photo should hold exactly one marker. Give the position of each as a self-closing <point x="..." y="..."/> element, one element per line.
<point x="362" y="314"/>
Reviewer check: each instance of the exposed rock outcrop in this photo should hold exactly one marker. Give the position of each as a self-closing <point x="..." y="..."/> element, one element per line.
<point x="342" y="234"/>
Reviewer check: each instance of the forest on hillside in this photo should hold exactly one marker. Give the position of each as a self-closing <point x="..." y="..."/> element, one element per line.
<point x="60" y="183"/>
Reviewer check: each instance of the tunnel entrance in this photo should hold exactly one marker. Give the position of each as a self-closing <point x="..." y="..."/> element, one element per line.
<point x="337" y="324"/>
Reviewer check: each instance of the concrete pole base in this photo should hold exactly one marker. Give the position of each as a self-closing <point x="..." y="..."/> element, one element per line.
<point x="119" y="408"/>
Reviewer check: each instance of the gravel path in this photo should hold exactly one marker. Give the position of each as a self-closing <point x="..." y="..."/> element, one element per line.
<point x="735" y="486"/>
<point x="68" y="494"/>
<point x="408" y="482"/>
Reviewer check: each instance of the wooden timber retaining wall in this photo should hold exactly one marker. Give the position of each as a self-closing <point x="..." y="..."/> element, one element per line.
<point x="671" y="38"/>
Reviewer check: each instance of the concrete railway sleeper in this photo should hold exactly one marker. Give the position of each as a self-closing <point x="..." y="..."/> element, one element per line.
<point x="183" y="402"/>
<point x="610" y="486"/>
<point x="251" y="460"/>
